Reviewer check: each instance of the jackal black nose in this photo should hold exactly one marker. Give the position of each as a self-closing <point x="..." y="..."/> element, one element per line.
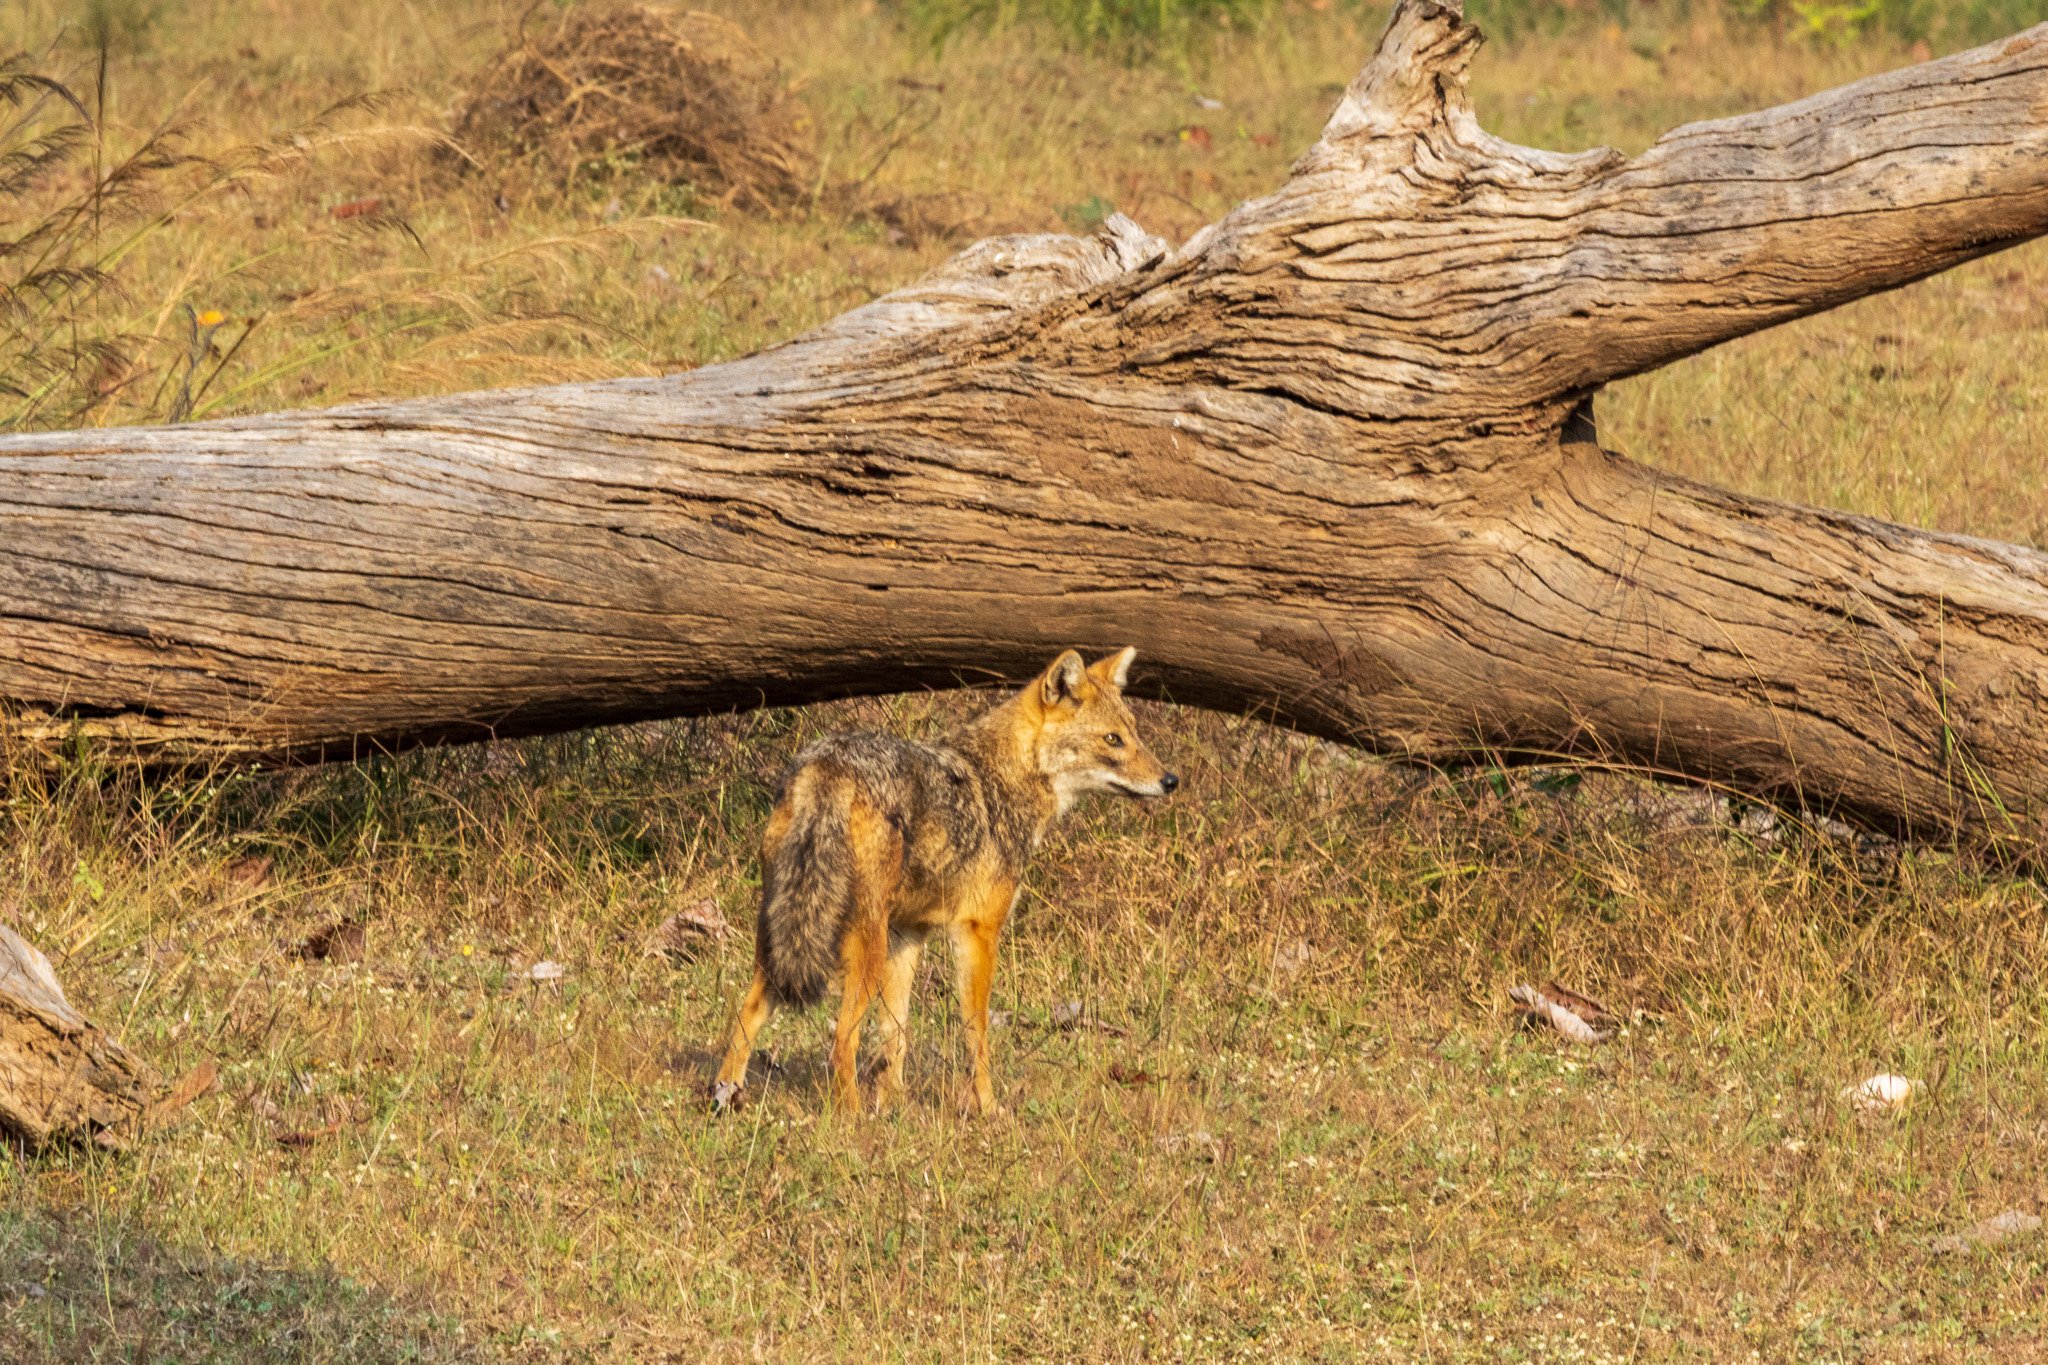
<point x="1168" y="781"/>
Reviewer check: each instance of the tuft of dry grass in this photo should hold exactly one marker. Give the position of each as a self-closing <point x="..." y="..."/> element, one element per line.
<point x="656" y="93"/>
<point x="1301" y="1119"/>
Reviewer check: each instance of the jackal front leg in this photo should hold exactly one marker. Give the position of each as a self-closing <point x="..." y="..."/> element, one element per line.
<point x="746" y="1026"/>
<point x="974" y="957"/>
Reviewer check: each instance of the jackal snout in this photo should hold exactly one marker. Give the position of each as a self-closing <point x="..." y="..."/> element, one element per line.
<point x="876" y="843"/>
<point x="1087" y="738"/>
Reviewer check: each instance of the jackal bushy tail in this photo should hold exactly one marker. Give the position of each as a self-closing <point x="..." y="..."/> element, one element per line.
<point x="806" y="895"/>
<point x="875" y="843"/>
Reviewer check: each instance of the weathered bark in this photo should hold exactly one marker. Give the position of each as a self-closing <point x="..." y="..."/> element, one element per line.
<point x="1331" y="460"/>
<point x="61" y="1079"/>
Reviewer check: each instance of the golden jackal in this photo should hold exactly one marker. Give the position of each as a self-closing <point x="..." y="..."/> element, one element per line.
<point x="875" y="842"/>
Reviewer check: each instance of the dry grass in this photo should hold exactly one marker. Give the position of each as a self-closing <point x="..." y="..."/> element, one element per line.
<point x="651" y="94"/>
<point x="1391" y="1165"/>
<point x="416" y="1154"/>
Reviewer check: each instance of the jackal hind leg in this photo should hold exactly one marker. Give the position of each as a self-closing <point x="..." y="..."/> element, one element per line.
<point x="877" y="850"/>
<point x="894" y="1025"/>
<point x="975" y="932"/>
<point x="746" y="1026"/>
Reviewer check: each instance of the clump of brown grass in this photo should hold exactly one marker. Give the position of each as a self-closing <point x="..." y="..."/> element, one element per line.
<point x="685" y="94"/>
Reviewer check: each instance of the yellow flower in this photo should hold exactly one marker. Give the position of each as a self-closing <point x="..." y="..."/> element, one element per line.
<point x="467" y="949"/>
<point x="212" y="317"/>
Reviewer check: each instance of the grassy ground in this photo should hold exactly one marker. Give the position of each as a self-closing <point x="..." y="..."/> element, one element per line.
<point x="1299" y="1120"/>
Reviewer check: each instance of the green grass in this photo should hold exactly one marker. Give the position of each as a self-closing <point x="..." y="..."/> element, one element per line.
<point x="1331" y="1139"/>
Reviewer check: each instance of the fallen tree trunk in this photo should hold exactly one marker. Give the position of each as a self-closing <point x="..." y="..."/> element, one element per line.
<point x="1332" y="460"/>
<point x="61" y="1079"/>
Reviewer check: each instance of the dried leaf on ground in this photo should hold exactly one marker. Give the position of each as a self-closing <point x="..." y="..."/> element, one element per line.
<point x="342" y="941"/>
<point x="306" y="1137"/>
<point x="1196" y="1142"/>
<point x="2002" y="1227"/>
<point x="1585" y="1006"/>
<point x="1069" y="1015"/>
<point x="685" y="934"/>
<point x="1698" y="1234"/>
<point x="251" y="873"/>
<point x="196" y="1082"/>
<point x="1129" y="1075"/>
<point x="1539" y="1006"/>
<point x="1884" y="1093"/>
<point x="1292" y="958"/>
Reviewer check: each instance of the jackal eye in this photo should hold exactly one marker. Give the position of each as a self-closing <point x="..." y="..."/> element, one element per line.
<point x="1114" y="741"/>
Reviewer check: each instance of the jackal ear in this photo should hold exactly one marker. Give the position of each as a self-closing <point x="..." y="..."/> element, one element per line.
<point x="1061" y="683"/>
<point x="1116" y="669"/>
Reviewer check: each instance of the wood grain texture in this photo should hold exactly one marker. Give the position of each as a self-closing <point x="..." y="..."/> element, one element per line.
<point x="61" y="1079"/>
<point x="1331" y="461"/>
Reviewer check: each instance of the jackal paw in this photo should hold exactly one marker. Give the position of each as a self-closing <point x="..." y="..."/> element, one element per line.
<point x="976" y="1105"/>
<point x="726" y="1096"/>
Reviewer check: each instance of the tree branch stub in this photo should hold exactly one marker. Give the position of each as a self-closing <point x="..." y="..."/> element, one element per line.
<point x="61" y="1078"/>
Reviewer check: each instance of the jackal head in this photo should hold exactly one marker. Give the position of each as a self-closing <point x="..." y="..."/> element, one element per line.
<point x="1087" y="739"/>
